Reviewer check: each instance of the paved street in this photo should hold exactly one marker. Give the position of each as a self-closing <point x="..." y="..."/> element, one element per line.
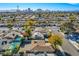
<point x="69" y="48"/>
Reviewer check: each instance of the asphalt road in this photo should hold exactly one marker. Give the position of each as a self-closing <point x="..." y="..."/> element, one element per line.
<point x="69" y="49"/>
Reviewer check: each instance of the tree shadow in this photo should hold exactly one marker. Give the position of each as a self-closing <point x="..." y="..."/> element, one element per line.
<point x="67" y="54"/>
<point x="25" y="43"/>
<point x="59" y="53"/>
<point x="22" y="45"/>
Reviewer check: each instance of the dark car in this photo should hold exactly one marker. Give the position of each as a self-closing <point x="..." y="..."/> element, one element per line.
<point x="73" y="36"/>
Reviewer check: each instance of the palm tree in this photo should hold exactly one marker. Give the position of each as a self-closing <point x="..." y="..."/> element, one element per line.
<point x="28" y="25"/>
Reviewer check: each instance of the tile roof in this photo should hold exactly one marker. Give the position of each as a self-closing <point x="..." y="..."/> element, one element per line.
<point x="42" y="49"/>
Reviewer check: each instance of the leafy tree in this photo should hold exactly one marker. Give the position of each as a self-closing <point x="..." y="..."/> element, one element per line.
<point x="0" y="17"/>
<point x="21" y="53"/>
<point x="67" y="27"/>
<point x="55" y="40"/>
<point x="8" y="52"/>
<point x="72" y="18"/>
<point x="30" y="22"/>
<point x="16" y="48"/>
<point x="9" y="25"/>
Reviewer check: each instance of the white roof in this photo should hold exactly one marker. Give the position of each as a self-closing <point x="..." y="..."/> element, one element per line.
<point x="38" y="35"/>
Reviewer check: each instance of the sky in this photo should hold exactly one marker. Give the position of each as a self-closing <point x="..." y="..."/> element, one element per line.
<point x="50" y="6"/>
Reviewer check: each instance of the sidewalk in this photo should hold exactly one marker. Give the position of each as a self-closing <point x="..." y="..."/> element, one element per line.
<point x="75" y="44"/>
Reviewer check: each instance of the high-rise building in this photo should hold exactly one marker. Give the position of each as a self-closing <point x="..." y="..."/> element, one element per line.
<point x="18" y="10"/>
<point x="29" y="10"/>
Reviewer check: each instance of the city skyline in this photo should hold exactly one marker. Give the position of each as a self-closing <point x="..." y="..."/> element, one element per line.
<point x="44" y="6"/>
